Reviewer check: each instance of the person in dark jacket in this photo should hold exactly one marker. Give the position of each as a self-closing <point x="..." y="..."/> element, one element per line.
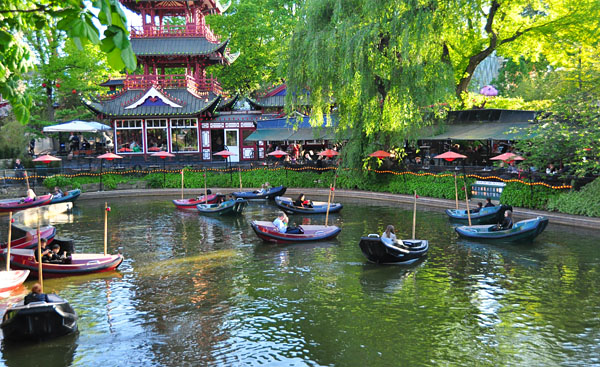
<point x="488" y="203"/>
<point x="507" y="222"/>
<point x="36" y="295"/>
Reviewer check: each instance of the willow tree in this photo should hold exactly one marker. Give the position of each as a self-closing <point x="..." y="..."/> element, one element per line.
<point x="382" y="63"/>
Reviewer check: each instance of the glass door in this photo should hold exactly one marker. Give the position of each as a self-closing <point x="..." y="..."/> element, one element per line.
<point x="232" y="143"/>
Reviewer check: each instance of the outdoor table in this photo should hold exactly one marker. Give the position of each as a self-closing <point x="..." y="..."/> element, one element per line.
<point x="154" y="149"/>
<point x="125" y="150"/>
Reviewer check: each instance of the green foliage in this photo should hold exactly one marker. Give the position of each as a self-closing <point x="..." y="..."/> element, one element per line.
<point x="74" y="17"/>
<point x="476" y="100"/>
<point x="583" y="202"/>
<point x="13" y="142"/>
<point x="534" y="197"/>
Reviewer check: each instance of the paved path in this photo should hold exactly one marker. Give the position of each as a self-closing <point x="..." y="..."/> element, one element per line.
<point x="557" y="218"/>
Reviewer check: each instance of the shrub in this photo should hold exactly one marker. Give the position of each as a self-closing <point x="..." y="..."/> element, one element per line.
<point x="534" y="197"/>
<point x="583" y="202"/>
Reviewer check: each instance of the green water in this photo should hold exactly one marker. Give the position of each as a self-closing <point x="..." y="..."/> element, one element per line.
<point x="205" y="291"/>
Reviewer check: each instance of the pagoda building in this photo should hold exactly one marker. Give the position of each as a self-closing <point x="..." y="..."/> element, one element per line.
<point x="174" y="105"/>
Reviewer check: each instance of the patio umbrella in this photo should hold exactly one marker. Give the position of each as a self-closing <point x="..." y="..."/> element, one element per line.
<point x="46" y="158"/>
<point x="329" y="153"/>
<point x="163" y="155"/>
<point x="226" y="154"/>
<point x="108" y="157"/>
<point x="380" y="154"/>
<point x="450" y="156"/>
<point x="278" y="153"/>
<point x="507" y="157"/>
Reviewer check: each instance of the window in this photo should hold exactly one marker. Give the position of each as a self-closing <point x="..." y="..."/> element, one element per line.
<point x="129" y="136"/>
<point x="156" y="135"/>
<point x="184" y="135"/>
<point x="245" y="135"/>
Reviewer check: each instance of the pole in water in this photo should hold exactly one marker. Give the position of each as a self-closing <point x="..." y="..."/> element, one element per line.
<point x="456" y="190"/>
<point x="467" y="200"/>
<point x="205" y="189"/>
<point x="39" y="250"/>
<point x="240" y="174"/>
<point x="105" y="228"/>
<point x="8" y="243"/>
<point x="182" y="183"/>
<point x="328" y="203"/>
<point x="414" y="217"/>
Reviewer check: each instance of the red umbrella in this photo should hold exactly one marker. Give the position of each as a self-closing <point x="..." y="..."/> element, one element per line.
<point x="329" y="153"/>
<point x="278" y="153"/>
<point x="224" y="153"/>
<point x="109" y="156"/>
<point x="46" y="158"/>
<point x="450" y="156"/>
<point x="380" y="154"/>
<point x="507" y="157"/>
<point x="162" y="155"/>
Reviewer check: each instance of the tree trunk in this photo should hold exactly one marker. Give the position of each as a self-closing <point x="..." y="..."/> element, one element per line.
<point x="49" y="103"/>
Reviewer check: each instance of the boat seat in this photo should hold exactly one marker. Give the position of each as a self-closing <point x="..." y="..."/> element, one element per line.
<point x="373" y="235"/>
<point x="388" y="242"/>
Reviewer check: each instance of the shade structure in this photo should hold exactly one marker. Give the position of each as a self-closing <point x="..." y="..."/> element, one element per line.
<point x="162" y="155"/>
<point x="450" y="156"/>
<point x="109" y="156"/>
<point x="225" y="153"/>
<point x="380" y="154"/>
<point x="77" y="126"/>
<point x="278" y="153"/>
<point x="489" y="91"/>
<point x="329" y="153"/>
<point x="46" y="158"/>
<point x="507" y="157"/>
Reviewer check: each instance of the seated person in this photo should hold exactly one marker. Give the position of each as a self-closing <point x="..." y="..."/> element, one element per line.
<point x="30" y="196"/>
<point x="479" y="206"/>
<point x="54" y="257"/>
<point x="58" y="192"/>
<point x="390" y="232"/>
<point x="281" y="222"/>
<point x="36" y="295"/>
<point x="46" y="252"/>
<point x="301" y="202"/>
<point x="507" y="222"/>
<point x="488" y="202"/>
<point x="264" y="188"/>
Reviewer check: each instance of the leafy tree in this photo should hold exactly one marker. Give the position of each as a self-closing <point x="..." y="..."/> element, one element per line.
<point x="260" y="30"/>
<point x="567" y="136"/>
<point x="19" y="18"/>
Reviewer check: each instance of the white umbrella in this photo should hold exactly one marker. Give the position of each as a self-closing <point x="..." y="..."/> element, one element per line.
<point x="77" y="126"/>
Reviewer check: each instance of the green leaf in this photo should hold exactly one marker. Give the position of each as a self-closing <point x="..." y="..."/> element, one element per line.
<point x="91" y="31"/>
<point x="129" y="58"/>
<point x="114" y="59"/>
<point x="21" y="113"/>
<point x="117" y="21"/>
<point x="5" y="37"/>
<point x="107" y="44"/>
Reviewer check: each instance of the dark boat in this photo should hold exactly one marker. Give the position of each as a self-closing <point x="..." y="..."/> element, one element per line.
<point x="268" y="232"/>
<point x="69" y="196"/>
<point x="268" y="194"/>
<point x="80" y="264"/>
<point x="14" y="205"/>
<point x="190" y="204"/>
<point x="318" y="207"/>
<point x="489" y="215"/>
<point x="25" y="237"/>
<point x="39" y="320"/>
<point x="227" y="207"/>
<point x="384" y="251"/>
<point x="523" y="231"/>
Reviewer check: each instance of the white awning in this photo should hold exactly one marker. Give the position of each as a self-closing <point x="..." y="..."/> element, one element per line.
<point x="77" y="126"/>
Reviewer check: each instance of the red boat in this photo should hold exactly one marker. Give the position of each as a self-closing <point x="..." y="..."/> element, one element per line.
<point x="190" y="204"/>
<point x="12" y="279"/>
<point x="81" y="264"/>
<point x="25" y="237"/>
<point x="14" y="205"/>
<point x="268" y="232"/>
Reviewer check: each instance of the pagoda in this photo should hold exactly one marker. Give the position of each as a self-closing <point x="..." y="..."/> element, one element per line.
<point x="174" y="105"/>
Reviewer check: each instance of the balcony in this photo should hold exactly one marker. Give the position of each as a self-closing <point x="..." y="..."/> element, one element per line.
<point x="165" y="31"/>
<point x="173" y="81"/>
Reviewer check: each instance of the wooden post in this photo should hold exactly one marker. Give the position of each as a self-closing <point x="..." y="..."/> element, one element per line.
<point x="328" y="203"/>
<point x="467" y="200"/>
<point x="8" y="243"/>
<point x="240" y="174"/>
<point x="182" y="184"/>
<point x="105" y="228"/>
<point x="414" y="217"/>
<point x="27" y="179"/>
<point x="205" y="189"/>
<point x="456" y="190"/>
<point x="39" y="249"/>
<point x="333" y="191"/>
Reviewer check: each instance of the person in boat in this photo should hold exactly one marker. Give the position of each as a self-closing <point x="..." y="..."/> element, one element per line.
<point x="281" y="222"/>
<point x="54" y="256"/>
<point x="390" y="232"/>
<point x="58" y="192"/>
<point x="301" y="202"/>
<point x="46" y="252"/>
<point x="479" y="206"/>
<point x="36" y="295"/>
<point x="264" y="188"/>
<point x="507" y="222"/>
<point x="488" y="202"/>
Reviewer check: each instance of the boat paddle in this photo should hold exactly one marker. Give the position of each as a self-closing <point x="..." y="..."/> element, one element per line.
<point x="414" y="217"/>
<point x="8" y="243"/>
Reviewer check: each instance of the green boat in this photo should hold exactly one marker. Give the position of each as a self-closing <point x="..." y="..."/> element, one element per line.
<point x="229" y="207"/>
<point x="523" y="231"/>
<point x="489" y="215"/>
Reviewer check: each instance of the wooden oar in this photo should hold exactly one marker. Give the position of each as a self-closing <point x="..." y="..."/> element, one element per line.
<point x="205" y="189"/>
<point x="414" y="218"/>
<point x="456" y="190"/>
<point x="240" y="174"/>
<point x="467" y="200"/>
<point x="27" y="180"/>
<point x="105" y="228"/>
<point x="39" y="249"/>
<point x="8" y="243"/>
<point x="182" y="184"/>
<point x="328" y="203"/>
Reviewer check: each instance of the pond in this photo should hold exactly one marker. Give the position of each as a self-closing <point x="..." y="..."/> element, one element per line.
<point x="197" y="290"/>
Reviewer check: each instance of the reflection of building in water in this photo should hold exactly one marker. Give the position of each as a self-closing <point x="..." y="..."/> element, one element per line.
<point x="46" y="215"/>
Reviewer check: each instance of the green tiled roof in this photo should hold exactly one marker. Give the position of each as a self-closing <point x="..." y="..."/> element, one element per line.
<point x="191" y="105"/>
<point x="176" y="46"/>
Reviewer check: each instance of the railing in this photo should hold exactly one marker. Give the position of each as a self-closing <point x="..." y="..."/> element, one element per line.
<point x="186" y="30"/>
<point x="173" y="81"/>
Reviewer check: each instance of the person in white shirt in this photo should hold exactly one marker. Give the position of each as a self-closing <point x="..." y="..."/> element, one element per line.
<point x="281" y="222"/>
<point x="389" y="233"/>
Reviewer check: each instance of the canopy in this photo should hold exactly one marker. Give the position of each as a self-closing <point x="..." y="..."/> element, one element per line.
<point x="329" y="153"/>
<point x="109" y="156"/>
<point x="77" y="126"/>
<point x="450" y="156"/>
<point x="477" y="131"/>
<point x="380" y="154"/>
<point x="46" y="158"/>
<point x="224" y="153"/>
<point x="507" y="157"/>
<point x="162" y="155"/>
<point x="278" y="153"/>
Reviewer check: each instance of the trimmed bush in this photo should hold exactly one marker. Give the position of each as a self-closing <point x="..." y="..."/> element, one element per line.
<point x="583" y="202"/>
